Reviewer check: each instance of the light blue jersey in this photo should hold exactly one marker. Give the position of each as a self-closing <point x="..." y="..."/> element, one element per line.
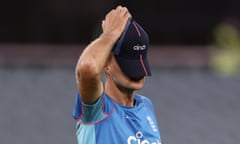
<point x="107" y="122"/>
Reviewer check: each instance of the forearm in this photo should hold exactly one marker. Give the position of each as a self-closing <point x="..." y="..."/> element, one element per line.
<point x="90" y="66"/>
<point x="96" y="53"/>
<point x="92" y="61"/>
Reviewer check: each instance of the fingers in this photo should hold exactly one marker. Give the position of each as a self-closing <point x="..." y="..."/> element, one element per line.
<point x="110" y="13"/>
<point x="115" y="21"/>
<point x="123" y="11"/>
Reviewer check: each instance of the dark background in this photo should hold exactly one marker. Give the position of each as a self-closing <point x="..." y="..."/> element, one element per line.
<point x="168" y="22"/>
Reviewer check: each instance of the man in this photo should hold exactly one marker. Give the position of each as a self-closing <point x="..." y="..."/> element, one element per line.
<point x="111" y="112"/>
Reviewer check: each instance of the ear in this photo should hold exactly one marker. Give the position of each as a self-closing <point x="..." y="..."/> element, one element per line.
<point x="107" y="69"/>
<point x="107" y="66"/>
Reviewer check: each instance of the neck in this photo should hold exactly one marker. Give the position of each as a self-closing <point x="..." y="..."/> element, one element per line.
<point x="120" y="94"/>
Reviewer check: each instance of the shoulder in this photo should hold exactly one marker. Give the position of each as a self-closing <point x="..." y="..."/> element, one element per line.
<point x="143" y="99"/>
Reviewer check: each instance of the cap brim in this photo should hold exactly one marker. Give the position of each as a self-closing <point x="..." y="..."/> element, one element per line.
<point x="134" y="68"/>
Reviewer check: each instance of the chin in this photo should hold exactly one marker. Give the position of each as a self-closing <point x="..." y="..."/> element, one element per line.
<point x="136" y="79"/>
<point x="137" y="84"/>
<point x="138" y="88"/>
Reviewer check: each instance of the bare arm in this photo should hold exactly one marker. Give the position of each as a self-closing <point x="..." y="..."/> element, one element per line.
<point x="93" y="59"/>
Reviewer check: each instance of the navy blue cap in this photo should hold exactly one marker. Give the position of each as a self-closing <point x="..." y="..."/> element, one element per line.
<point x="131" y="51"/>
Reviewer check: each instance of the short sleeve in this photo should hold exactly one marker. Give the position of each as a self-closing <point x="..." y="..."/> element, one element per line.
<point x="98" y="111"/>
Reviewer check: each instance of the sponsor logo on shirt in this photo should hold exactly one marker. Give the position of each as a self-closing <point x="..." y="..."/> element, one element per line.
<point x="138" y="139"/>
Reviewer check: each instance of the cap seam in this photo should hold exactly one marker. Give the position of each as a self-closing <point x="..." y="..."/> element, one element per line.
<point x="137" y="29"/>
<point x="143" y="66"/>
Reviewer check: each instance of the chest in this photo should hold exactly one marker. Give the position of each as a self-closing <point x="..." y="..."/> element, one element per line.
<point x="130" y="126"/>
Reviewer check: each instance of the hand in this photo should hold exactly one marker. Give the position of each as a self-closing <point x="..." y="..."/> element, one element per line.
<point x="115" y="22"/>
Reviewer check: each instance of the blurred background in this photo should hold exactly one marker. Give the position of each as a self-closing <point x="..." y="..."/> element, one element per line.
<point x="194" y="54"/>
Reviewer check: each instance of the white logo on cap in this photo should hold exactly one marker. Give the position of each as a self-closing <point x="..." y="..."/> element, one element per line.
<point x="139" y="47"/>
